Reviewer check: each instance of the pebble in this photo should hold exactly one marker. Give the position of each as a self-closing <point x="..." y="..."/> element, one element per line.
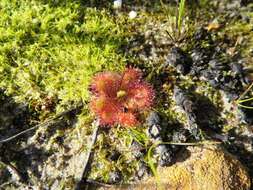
<point x="228" y="77"/>
<point x="237" y="68"/>
<point x="154" y="129"/>
<point x="179" y="136"/>
<point x="217" y="65"/>
<point x="202" y="34"/>
<point x="117" y="4"/>
<point x="154" y="132"/>
<point x="132" y="14"/>
<point x="163" y="153"/>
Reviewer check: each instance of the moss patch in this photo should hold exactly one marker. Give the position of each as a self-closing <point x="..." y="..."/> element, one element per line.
<point x="54" y="51"/>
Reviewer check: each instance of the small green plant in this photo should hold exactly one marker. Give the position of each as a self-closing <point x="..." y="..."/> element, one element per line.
<point x="177" y="22"/>
<point x="180" y="15"/>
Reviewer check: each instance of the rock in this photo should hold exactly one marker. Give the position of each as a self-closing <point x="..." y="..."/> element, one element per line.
<point x="208" y="167"/>
<point x="180" y="60"/>
<point x="246" y="115"/>
<point x="184" y="100"/>
<point x="165" y="155"/>
<point x="200" y="58"/>
<point x="217" y="64"/>
<point x="237" y="68"/>
<point x="228" y="77"/>
<point x="240" y="72"/>
<point x="154" y="128"/>
<point x="179" y="136"/>
<point x="162" y="153"/>
<point x="153" y="119"/>
<point x="154" y="132"/>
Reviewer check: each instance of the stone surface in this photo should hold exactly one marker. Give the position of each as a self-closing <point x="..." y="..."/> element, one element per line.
<point x="208" y="168"/>
<point x="179" y="59"/>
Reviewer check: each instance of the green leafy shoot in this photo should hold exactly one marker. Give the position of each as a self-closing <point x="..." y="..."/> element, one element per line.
<point x="138" y="136"/>
<point x="180" y="15"/>
<point x="177" y="21"/>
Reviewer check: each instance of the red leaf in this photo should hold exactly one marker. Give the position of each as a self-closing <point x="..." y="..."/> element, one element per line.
<point x="106" y="109"/>
<point x="106" y="83"/>
<point x="129" y="77"/>
<point x="127" y="119"/>
<point x="140" y="96"/>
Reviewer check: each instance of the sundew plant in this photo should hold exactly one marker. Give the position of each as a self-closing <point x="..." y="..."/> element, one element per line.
<point x="118" y="98"/>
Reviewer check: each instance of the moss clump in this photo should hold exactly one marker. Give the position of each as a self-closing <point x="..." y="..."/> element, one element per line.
<point x="54" y="50"/>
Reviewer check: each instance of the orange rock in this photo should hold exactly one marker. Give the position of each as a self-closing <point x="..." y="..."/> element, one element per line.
<point x="207" y="168"/>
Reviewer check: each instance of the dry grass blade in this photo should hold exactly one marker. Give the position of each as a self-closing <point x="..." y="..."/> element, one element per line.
<point x="240" y="100"/>
<point x="45" y="124"/>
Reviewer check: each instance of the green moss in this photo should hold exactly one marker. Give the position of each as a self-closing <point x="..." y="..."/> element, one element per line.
<point x="242" y="34"/>
<point x="55" y="50"/>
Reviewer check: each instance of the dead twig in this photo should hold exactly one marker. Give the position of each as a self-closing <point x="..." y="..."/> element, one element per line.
<point x="245" y="92"/>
